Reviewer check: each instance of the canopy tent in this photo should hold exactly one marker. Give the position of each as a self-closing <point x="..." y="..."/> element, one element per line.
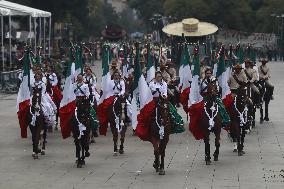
<point x="13" y="9"/>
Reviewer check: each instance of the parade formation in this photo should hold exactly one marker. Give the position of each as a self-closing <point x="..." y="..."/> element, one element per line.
<point x="142" y="90"/>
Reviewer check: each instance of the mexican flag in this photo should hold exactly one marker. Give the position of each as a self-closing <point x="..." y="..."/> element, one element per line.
<point x="223" y="74"/>
<point x="240" y="53"/>
<point x="150" y="68"/>
<point x="107" y="96"/>
<point x="124" y="62"/>
<point x="185" y="78"/>
<point x="78" y="60"/>
<point x="196" y="104"/>
<point x="23" y="99"/>
<point x="68" y="104"/>
<point x="142" y="102"/>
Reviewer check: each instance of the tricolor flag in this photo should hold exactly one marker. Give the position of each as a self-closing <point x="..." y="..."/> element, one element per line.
<point x="196" y="104"/>
<point x="23" y="99"/>
<point x="107" y="96"/>
<point x="124" y="62"/>
<point x="142" y="102"/>
<point x="150" y="68"/>
<point x="68" y="104"/>
<point x="222" y="75"/>
<point x="78" y="60"/>
<point x="185" y="77"/>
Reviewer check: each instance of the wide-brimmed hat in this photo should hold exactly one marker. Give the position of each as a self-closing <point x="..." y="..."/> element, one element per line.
<point x="263" y="60"/>
<point x="113" y="32"/>
<point x="248" y="61"/>
<point x="190" y="27"/>
<point x="238" y="66"/>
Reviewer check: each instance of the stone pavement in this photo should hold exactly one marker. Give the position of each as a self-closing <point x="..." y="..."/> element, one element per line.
<point x="261" y="167"/>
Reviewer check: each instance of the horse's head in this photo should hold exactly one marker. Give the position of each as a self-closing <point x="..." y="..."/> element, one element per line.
<point x="83" y="106"/>
<point x="242" y="96"/>
<point x="212" y="88"/>
<point x="163" y="107"/>
<point x="36" y="98"/>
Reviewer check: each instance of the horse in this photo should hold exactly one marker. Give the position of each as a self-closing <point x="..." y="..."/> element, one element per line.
<point x="239" y="118"/>
<point x="117" y="114"/>
<point x="160" y="130"/>
<point x="56" y="100"/>
<point x="37" y="124"/>
<point x="265" y="97"/>
<point x="80" y="127"/>
<point x="252" y="106"/>
<point x="211" y="121"/>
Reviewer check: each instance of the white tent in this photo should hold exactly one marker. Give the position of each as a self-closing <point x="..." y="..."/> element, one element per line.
<point x="13" y="9"/>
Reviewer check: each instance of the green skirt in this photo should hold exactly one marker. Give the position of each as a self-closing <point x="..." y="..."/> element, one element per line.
<point x="177" y="126"/>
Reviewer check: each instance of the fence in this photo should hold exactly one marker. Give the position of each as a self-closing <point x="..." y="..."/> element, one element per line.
<point x="9" y="81"/>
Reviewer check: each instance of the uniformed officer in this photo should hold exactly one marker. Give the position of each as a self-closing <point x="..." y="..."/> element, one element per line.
<point x="264" y="75"/>
<point x="237" y="78"/>
<point x="251" y="75"/>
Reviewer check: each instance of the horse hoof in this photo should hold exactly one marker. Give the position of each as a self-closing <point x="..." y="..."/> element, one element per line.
<point x="215" y="158"/>
<point x="42" y="152"/>
<point x="235" y="150"/>
<point x="79" y="165"/>
<point x="156" y="167"/>
<point x="162" y="172"/>
<point x="87" y="154"/>
<point x="83" y="162"/>
<point x="240" y="153"/>
<point x="121" y="151"/>
<point x="208" y="162"/>
<point x="114" y="153"/>
<point x="35" y="156"/>
<point x="261" y="121"/>
<point x="266" y="119"/>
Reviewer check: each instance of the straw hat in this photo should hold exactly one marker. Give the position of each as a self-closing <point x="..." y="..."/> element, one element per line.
<point x="238" y="66"/>
<point x="190" y="27"/>
<point x="263" y="60"/>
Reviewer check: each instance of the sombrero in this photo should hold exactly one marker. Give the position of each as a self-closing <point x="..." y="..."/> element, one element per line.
<point x="248" y="61"/>
<point x="190" y="27"/>
<point x="238" y="66"/>
<point x="263" y="60"/>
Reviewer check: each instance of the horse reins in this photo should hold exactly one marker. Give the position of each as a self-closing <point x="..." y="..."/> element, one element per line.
<point x="243" y="114"/>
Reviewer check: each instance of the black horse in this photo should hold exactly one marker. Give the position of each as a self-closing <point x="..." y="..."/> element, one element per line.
<point x="37" y="124"/>
<point x="265" y="97"/>
<point x="81" y="127"/>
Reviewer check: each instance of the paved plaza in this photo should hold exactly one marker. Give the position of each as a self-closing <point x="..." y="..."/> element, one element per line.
<point x="261" y="167"/>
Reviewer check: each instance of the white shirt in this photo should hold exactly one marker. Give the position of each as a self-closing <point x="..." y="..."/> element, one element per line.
<point x="158" y="88"/>
<point x="118" y="87"/>
<point x="53" y="79"/>
<point x="81" y="89"/>
<point x="39" y="84"/>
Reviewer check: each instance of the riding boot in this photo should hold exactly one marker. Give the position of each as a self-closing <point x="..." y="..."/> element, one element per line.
<point x="266" y="118"/>
<point x="261" y="115"/>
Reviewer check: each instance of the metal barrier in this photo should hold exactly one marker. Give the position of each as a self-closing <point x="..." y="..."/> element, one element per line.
<point x="9" y="81"/>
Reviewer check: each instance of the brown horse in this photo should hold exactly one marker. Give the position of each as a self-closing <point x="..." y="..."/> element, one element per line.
<point x="211" y="121"/>
<point x="81" y="126"/>
<point x="37" y="124"/>
<point x="159" y="132"/>
<point x="239" y="116"/>
<point x="117" y="113"/>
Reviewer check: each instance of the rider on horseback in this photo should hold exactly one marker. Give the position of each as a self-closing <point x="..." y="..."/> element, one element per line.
<point x="251" y="75"/>
<point x="237" y="79"/>
<point x="81" y="89"/>
<point x="159" y="89"/>
<point x="48" y="107"/>
<point x="209" y="78"/>
<point x="91" y="80"/>
<point x="264" y="75"/>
